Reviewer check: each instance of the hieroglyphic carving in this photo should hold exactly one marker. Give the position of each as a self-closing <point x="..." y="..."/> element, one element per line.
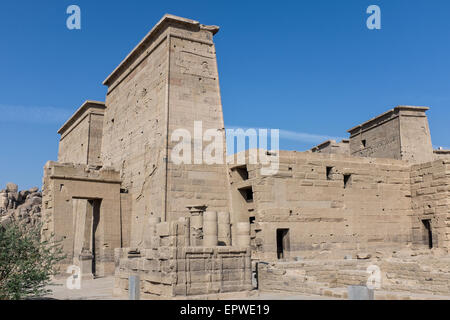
<point x="195" y="64"/>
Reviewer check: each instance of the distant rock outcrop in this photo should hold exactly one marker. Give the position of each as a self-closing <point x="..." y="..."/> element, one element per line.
<point x="22" y="206"/>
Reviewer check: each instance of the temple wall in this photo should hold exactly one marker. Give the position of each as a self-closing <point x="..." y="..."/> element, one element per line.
<point x="415" y="137"/>
<point x="125" y="218"/>
<point x="399" y="276"/>
<point x="331" y="146"/>
<point x="381" y="139"/>
<point x="70" y="193"/>
<point x="441" y="154"/>
<point x="95" y="139"/>
<point x="172" y="82"/>
<point x="400" y="133"/>
<point x="81" y="135"/>
<point x="134" y="134"/>
<point x="120" y="202"/>
<point x="430" y="190"/>
<point x="177" y="263"/>
<point x="74" y="146"/>
<point x="194" y="96"/>
<point x="324" y="216"/>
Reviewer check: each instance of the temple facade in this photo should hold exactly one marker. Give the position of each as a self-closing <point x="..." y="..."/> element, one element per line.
<point x="122" y="206"/>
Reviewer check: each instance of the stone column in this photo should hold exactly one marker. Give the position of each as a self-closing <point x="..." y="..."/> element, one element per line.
<point x="210" y="229"/>
<point x="243" y="234"/>
<point x="224" y="231"/>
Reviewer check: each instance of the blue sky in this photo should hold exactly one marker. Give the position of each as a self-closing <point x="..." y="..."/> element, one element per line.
<point x="310" y="68"/>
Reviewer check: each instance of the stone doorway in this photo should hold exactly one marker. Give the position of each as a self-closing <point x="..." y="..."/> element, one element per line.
<point x="282" y="243"/>
<point x="87" y="238"/>
<point x="427" y="233"/>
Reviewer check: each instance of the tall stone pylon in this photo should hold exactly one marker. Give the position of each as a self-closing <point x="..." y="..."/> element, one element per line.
<point x="169" y="81"/>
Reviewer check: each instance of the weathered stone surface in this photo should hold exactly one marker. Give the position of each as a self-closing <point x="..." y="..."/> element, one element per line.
<point x="18" y="206"/>
<point x="401" y="133"/>
<point x="12" y="187"/>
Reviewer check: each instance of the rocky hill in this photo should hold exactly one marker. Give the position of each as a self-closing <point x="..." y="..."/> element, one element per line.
<point x="22" y="206"/>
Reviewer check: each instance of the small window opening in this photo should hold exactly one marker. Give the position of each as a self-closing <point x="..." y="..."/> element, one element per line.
<point x="329" y="173"/>
<point x="428" y="234"/>
<point x="251" y="220"/>
<point x="282" y="243"/>
<point x="243" y="172"/>
<point x="347" y="180"/>
<point x="364" y="143"/>
<point x="247" y="193"/>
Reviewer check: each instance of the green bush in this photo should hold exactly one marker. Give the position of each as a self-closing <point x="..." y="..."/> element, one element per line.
<point x="26" y="262"/>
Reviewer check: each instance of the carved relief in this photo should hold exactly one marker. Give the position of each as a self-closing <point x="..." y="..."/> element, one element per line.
<point x="196" y="64"/>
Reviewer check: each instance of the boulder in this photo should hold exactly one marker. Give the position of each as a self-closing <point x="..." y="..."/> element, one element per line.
<point x="23" y="207"/>
<point x="23" y="194"/>
<point x="3" y="201"/>
<point x="36" y="201"/>
<point x="12" y="187"/>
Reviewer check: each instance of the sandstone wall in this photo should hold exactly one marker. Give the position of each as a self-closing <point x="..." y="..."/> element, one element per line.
<point x="195" y="96"/>
<point x="134" y="131"/>
<point x="324" y="217"/>
<point x="401" y="133"/>
<point x="381" y="138"/>
<point x="81" y="135"/>
<point x="185" y="271"/>
<point x="441" y="154"/>
<point x="430" y="186"/>
<point x="415" y="136"/>
<point x="126" y="219"/>
<point x="71" y="193"/>
<point x="74" y="147"/>
<point x="332" y="146"/>
<point x="169" y="81"/>
<point x="95" y="139"/>
<point x="418" y="272"/>
<point x="172" y="266"/>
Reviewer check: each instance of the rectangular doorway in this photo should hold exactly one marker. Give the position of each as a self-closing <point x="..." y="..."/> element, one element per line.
<point x="282" y="243"/>
<point x="427" y="233"/>
<point x="87" y="235"/>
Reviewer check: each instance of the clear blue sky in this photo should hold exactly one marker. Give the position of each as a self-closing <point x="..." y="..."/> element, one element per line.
<point x="310" y="67"/>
